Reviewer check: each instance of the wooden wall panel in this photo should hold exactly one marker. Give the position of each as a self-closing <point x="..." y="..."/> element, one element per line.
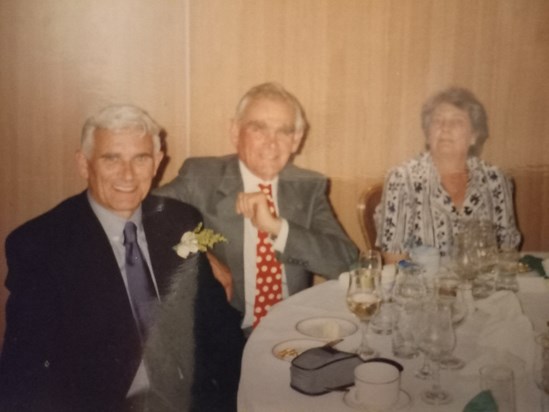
<point x="62" y="61"/>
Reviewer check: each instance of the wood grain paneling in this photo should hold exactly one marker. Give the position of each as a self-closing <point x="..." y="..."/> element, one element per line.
<point x="62" y="61"/>
<point x="361" y="68"/>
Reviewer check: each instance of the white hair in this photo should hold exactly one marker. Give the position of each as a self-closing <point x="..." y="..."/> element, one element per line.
<point x="117" y="118"/>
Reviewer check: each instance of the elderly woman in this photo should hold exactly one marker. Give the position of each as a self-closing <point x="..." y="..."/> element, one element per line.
<point x="425" y="198"/>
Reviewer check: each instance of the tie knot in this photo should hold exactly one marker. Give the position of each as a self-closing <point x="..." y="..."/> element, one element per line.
<point x="265" y="189"/>
<point x="130" y="233"/>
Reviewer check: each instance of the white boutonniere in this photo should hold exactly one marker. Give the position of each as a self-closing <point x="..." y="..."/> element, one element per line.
<point x="198" y="240"/>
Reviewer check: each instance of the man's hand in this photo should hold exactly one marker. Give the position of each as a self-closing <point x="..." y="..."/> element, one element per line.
<point x="222" y="274"/>
<point x="254" y="206"/>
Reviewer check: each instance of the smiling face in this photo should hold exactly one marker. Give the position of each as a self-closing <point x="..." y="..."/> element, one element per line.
<point x="120" y="169"/>
<point x="265" y="136"/>
<point x="450" y="132"/>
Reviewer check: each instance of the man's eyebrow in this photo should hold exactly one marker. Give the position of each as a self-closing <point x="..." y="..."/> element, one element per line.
<point x="255" y="123"/>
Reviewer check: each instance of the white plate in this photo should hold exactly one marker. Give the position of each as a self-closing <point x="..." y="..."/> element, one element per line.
<point x="404" y="401"/>
<point x="326" y="327"/>
<point x="289" y="349"/>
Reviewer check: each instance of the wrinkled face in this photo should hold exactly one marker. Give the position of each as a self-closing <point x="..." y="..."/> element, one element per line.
<point x="450" y="131"/>
<point x="265" y="136"/>
<point x="120" y="169"/>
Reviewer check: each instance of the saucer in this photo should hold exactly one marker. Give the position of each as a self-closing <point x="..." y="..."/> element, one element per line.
<point x="326" y="327"/>
<point x="404" y="401"/>
<point x="289" y="349"/>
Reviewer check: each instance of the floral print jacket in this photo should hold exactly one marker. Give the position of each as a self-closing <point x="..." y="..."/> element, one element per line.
<point x="416" y="209"/>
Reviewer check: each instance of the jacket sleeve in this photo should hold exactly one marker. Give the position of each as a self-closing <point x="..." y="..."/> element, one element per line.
<point x="319" y="243"/>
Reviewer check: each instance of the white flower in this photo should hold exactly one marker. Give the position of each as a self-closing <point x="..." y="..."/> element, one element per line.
<point x="188" y="245"/>
<point x="198" y="240"/>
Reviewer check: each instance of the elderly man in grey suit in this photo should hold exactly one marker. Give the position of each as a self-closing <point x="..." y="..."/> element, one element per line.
<point x="280" y="233"/>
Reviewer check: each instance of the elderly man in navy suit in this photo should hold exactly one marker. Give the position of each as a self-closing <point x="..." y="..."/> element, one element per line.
<point x="280" y="226"/>
<point x="103" y="315"/>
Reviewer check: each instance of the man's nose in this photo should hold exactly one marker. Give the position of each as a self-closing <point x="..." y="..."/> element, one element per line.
<point x="127" y="171"/>
<point x="270" y="136"/>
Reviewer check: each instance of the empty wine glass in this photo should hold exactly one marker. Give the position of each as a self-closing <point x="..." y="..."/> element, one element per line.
<point x="419" y="318"/>
<point x="487" y="255"/>
<point x="437" y="340"/>
<point x="364" y="297"/>
<point x="383" y="322"/>
<point x="448" y="293"/>
<point x="541" y="368"/>
<point x="410" y="293"/>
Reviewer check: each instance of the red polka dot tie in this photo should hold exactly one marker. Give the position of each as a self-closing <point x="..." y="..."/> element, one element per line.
<point x="268" y="286"/>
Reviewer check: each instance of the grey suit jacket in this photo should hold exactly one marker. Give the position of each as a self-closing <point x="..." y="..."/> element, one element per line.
<point x="316" y="242"/>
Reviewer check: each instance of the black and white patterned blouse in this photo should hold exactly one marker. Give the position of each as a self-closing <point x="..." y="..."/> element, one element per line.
<point x="416" y="210"/>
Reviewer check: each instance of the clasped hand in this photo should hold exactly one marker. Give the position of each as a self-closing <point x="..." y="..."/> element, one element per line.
<point x="255" y="207"/>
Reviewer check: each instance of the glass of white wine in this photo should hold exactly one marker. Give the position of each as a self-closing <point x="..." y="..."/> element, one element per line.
<point x="364" y="297"/>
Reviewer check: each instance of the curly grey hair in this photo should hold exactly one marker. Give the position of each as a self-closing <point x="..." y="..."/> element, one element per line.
<point x="465" y="100"/>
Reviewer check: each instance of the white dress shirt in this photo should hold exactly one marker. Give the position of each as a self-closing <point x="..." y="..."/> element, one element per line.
<point x="251" y="184"/>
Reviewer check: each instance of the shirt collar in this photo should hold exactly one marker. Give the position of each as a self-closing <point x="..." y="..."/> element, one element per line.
<point x="251" y="181"/>
<point x="112" y="224"/>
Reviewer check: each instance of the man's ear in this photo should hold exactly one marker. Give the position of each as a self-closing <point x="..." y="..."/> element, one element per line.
<point x="234" y="131"/>
<point x="158" y="156"/>
<point x="81" y="164"/>
<point x="298" y="137"/>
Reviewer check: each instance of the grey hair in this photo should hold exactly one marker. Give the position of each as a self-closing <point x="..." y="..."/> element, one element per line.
<point x="273" y="91"/>
<point x="117" y="118"/>
<point x="465" y="100"/>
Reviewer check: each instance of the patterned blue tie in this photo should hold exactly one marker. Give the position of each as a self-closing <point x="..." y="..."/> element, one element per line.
<point x="140" y="284"/>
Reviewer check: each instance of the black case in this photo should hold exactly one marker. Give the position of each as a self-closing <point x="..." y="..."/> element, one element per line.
<point x="320" y="370"/>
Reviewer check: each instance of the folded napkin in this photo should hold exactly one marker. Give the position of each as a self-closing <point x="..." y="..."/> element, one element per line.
<point x="534" y="263"/>
<point x="506" y="335"/>
<point x="483" y="402"/>
<point x="503" y="304"/>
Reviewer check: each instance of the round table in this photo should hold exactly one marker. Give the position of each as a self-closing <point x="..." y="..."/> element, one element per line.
<point x="265" y="379"/>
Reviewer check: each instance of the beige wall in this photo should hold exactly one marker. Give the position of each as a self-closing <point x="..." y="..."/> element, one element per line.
<point x="361" y="68"/>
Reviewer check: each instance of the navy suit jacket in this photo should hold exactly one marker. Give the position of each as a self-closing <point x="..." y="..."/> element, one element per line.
<point x="316" y="242"/>
<point x="71" y="342"/>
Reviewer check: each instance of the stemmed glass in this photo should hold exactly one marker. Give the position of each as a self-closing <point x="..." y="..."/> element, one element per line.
<point x="411" y="293"/>
<point x="364" y="297"/>
<point x="437" y="340"/>
<point x="541" y="368"/>
<point x="465" y="262"/>
<point x="487" y="254"/>
<point x="447" y="293"/>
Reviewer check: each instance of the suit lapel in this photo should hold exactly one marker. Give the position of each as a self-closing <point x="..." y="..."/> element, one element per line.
<point x="291" y="196"/>
<point x="229" y="223"/>
<point x="102" y="275"/>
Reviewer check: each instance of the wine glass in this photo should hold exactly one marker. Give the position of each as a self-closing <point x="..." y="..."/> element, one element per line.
<point x="437" y="340"/>
<point x="364" y="297"/>
<point x="447" y="293"/>
<point x="383" y="322"/>
<point x="487" y="257"/>
<point x="419" y="319"/>
<point x="410" y="293"/>
<point x="541" y="368"/>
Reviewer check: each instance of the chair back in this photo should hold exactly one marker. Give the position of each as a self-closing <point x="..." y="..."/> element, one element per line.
<point x="367" y="203"/>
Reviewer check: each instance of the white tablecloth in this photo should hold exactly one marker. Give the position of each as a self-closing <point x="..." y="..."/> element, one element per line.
<point x="264" y="384"/>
